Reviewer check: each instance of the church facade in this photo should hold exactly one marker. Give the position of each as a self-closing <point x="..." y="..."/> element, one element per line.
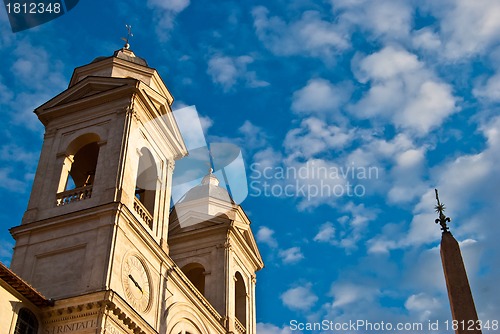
<point x="99" y="250"/>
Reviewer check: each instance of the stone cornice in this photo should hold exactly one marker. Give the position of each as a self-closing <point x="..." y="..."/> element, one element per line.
<point x="89" y="308"/>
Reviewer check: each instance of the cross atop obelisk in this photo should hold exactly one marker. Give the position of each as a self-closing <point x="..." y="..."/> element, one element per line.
<point x="462" y="305"/>
<point x="442" y="220"/>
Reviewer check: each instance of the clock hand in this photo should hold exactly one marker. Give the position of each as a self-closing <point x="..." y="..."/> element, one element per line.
<point x="135" y="283"/>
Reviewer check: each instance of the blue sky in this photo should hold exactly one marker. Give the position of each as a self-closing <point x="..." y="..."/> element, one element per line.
<point x="410" y="89"/>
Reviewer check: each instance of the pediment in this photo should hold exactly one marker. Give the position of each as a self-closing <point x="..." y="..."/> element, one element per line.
<point x="90" y="86"/>
<point x="248" y="238"/>
<point x="239" y="225"/>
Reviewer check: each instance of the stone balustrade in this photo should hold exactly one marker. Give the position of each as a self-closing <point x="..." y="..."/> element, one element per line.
<point x="73" y="195"/>
<point x="240" y="329"/>
<point x="143" y="213"/>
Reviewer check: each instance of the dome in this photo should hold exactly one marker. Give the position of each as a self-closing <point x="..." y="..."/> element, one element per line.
<point x="128" y="55"/>
<point x="209" y="188"/>
<point x="124" y="54"/>
<point x="99" y="59"/>
<point x="123" y="64"/>
<point x="204" y="202"/>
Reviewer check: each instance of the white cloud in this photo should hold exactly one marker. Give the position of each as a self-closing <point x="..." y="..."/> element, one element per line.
<point x="37" y="69"/>
<point x="461" y="182"/>
<point x="265" y="235"/>
<point x="320" y="96"/>
<point x="299" y="298"/>
<point x="267" y="158"/>
<point x="398" y="164"/>
<point x="352" y="227"/>
<point x="172" y="5"/>
<point x="316" y="136"/>
<point x="407" y="175"/>
<point x="206" y="123"/>
<point x="489" y="89"/>
<point x="423" y="271"/>
<point x="228" y="71"/>
<point x="37" y="79"/>
<point x="253" y="136"/>
<point x="467" y="27"/>
<point x="386" y="64"/>
<point x="403" y="91"/>
<point x="410" y="158"/>
<point x="421" y="301"/>
<point x="383" y="19"/>
<point x="433" y="102"/>
<point x="348" y="293"/>
<point x="467" y="242"/>
<point x="10" y="182"/>
<point x="422" y="304"/>
<point x="390" y="148"/>
<point x="426" y="39"/>
<point x="191" y="125"/>
<point x="190" y="113"/>
<point x="375" y="151"/>
<point x="380" y="246"/>
<point x="16" y="153"/>
<point x="326" y="233"/>
<point x="310" y="35"/>
<point x="291" y="255"/>
<point x="165" y="13"/>
<point x="223" y="70"/>
<point x="265" y="328"/>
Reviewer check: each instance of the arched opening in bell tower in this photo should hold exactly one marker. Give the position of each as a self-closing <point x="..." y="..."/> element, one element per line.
<point x="146" y="181"/>
<point x="196" y="274"/>
<point x="83" y="168"/>
<point x="240" y="295"/>
<point x="78" y="169"/>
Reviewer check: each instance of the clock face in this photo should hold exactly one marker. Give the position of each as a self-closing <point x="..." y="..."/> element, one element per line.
<point x="136" y="285"/>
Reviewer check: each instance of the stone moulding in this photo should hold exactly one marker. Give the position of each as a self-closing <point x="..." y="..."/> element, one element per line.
<point x="74" y="317"/>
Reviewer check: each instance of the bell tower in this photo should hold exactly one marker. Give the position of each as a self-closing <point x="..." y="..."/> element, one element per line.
<point x="99" y="240"/>
<point x="94" y="235"/>
<point x="211" y="241"/>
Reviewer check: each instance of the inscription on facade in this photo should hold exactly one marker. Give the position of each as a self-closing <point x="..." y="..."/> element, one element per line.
<point x="68" y="328"/>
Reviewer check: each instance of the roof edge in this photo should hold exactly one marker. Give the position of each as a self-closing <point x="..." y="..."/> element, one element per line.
<point x="21" y="286"/>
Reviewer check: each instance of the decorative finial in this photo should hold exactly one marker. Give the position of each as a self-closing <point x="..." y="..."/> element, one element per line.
<point x="210" y="168"/>
<point x="210" y="179"/>
<point x="129" y="34"/>
<point x="442" y="220"/>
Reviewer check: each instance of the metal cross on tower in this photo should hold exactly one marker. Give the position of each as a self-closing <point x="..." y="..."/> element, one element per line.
<point x="129" y="34"/>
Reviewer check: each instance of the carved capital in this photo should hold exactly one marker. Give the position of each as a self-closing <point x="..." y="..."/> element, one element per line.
<point x="171" y="165"/>
<point x="131" y="111"/>
<point x="49" y="133"/>
<point x="226" y="245"/>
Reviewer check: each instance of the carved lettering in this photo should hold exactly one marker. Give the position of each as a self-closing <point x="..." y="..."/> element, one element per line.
<point x="68" y="328"/>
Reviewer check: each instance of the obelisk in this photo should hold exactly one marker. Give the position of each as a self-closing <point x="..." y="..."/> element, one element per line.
<point x="463" y="310"/>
